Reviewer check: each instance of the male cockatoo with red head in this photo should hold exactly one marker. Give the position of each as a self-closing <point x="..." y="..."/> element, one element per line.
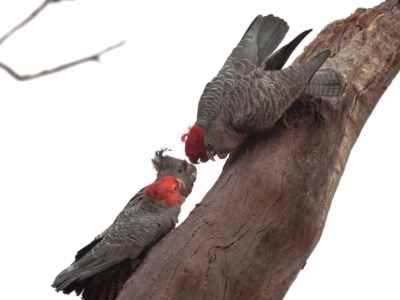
<point x="234" y="92"/>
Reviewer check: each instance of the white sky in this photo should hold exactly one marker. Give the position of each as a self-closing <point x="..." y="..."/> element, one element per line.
<point x="76" y="146"/>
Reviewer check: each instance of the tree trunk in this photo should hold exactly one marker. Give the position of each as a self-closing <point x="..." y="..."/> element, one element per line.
<point x="255" y="229"/>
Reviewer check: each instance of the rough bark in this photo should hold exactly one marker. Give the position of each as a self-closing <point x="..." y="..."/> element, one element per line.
<point x="256" y="227"/>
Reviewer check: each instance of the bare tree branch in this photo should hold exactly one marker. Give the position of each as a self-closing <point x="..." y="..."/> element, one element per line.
<point x="94" y="57"/>
<point x="27" y="20"/>
<point x="9" y="70"/>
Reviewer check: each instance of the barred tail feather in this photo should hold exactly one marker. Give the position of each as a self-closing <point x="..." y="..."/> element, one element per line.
<point x="325" y="83"/>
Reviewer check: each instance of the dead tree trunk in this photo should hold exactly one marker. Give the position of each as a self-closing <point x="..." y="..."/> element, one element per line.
<point x="257" y="226"/>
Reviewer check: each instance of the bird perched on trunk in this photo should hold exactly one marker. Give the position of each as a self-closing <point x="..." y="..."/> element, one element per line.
<point x="102" y="267"/>
<point x="259" y="99"/>
<point x="252" y="54"/>
<point x="260" y="40"/>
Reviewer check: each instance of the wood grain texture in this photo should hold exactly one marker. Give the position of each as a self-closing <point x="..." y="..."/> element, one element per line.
<point x="255" y="229"/>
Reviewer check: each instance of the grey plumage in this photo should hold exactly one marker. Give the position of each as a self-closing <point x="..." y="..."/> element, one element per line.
<point x="140" y="225"/>
<point x="220" y="126"/>
<point x="123" y="245"/>
<point x="168" y="165"/>
<point x="325" y="83"/>
<point x="261" y="38"/>
<point x="277" y="60"/>
<point x="260" y="98"/>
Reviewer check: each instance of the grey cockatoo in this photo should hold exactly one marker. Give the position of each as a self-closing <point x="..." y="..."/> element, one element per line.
<point x="252" y="54"/>
<point x="260" y="40"/>
<point x="260" y="98"/>
<point x="102" y="267"/>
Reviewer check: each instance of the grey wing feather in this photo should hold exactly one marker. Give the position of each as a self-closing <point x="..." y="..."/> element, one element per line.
<point x="127" y="237"/>
<point x="261" y="98"/>
<point x="270" y="35"/>
<point x="260" y="40"/>
<point x="123" y="242"/>
<point x="132" y="203"/>
<point x="277" y="60"/>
